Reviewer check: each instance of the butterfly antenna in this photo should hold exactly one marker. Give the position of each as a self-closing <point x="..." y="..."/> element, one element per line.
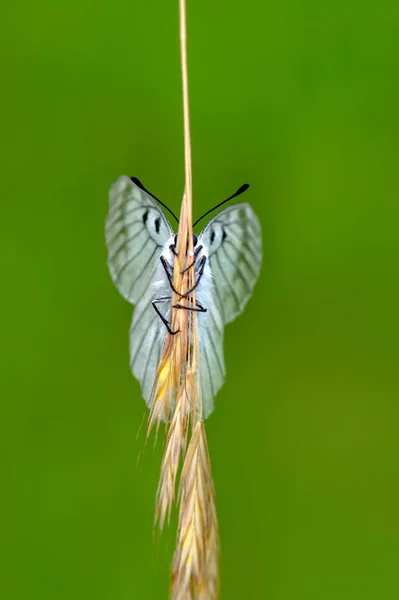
<point x="140" y="185"/>
<point x="240" y="191"/>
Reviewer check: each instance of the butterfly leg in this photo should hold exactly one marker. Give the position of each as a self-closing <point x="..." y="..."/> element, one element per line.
<point x="164" y="321"/>
<point x="195" y="258"/>
<point x="198" y="307"/>
<point x="169" y="272"/>
<point x="199" y="276"/>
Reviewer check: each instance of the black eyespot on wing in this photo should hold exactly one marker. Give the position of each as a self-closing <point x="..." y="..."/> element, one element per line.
<point x="157" y="223"/>
<point x="145" y="217"/>
<point x="224" y="234"/>
<point x="212" y="237"/>
<point x="195" y="240"/>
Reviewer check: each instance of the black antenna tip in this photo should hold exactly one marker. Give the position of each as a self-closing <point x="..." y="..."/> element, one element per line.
<point x="240" y="190"/>
<point x="137" y="182"/>
<point x="141" y="186"/>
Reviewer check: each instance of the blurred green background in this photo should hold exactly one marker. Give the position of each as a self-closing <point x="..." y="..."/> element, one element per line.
<point x="300" y="99"/>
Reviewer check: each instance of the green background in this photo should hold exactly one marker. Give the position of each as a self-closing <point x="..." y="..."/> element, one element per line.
<point x="300" y="99"/>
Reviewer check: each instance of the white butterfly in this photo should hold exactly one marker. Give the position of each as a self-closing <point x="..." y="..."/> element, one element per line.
<point x="141" y="242"/>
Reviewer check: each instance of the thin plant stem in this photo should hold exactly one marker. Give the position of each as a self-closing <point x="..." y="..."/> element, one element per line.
<point x="186" y="109"/>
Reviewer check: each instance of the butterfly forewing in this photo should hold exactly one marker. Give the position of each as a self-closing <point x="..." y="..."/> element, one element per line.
<point x="233" y="240"/>
<point x="136" y="230"/>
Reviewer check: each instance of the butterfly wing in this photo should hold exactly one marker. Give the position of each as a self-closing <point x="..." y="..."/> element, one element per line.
<point x="136" y="232"/>
<point x="233" y="243"/>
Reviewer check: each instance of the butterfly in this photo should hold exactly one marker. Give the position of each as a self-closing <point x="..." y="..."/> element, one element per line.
<point x="141" y="247"/>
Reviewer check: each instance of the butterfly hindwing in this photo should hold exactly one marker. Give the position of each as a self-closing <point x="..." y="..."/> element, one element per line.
<point x="146" y="339"/>
<point x="213" y="373"/>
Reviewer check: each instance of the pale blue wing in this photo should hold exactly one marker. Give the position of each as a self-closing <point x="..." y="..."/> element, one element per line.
<point x="136" y="230"/>
<point x="233" y="243"/>
<point x="213" y="371"/>
<point x="136" y="233"/>
<point x="146" y="340"/>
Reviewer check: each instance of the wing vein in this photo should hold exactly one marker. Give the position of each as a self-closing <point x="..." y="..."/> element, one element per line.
<point x="135" y="353"/>
<point x="131" y="259"/>
<point x="121" y="229"/>
<point x="209" y="371"/>
<point x="247" y="263"/>
<point x="122" y="205"/>
<point x="234" y="293"/>
<point x="216" y="354"/>
<point x="125" y="242"/>
<point x="135" y="323"/>
<point x="142" y="271"/>
<point x="220" y="302"/>
<point x="215" y="322"/>
<point x="149" y="359"/>
<point x="132" y="210"/>
<point x="237" y="269"/>
<point x="255" y="234"/>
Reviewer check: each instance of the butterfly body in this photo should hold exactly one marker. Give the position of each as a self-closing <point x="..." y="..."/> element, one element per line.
<point x="141" y="256"/>
<point x="162" y="286"/>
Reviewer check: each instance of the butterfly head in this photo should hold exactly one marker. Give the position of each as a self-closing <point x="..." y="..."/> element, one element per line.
<point x="195" y="240"/>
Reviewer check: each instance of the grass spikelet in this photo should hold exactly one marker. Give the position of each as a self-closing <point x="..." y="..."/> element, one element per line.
<point x="177" y="399"/>
<point x="212" y="543"/>
<point x="174" y="448"/>
<point x="195" y="563"/>
<point x="177" y="392"/>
